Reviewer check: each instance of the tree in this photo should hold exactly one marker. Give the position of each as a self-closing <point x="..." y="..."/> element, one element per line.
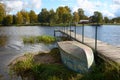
<point x="25" y="16"/>
<point x="81" y="13"/>
<point x="7" y="20"/>
<point x="14" y="19"/>
<point x="2" y="12"/>
<point x="98" y="17"/>
<point x="92" y="19"/>
<point x="64" y="13"/>
<point x="43" y="16"/>
<point x="52" y="17"/>
<point x="116" y="20"/>
<point x="75" y="17"/>
<point x="106" y="20"/>
<point x="33" y="17"/>
<point x="19" y="18"/>
<point x="66" y="18"/>
<point x="59" y="12"/>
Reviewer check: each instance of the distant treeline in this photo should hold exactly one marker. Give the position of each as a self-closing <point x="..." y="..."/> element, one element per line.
<point x="62" y="15"/>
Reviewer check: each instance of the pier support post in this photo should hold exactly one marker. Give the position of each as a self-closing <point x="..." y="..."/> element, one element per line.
<point x="96" y="39"/>
<point x="83" y="33"/>
<point x="70" y="30"/>
<point x="64" y="27"/>
<point x="54" y="33"/>
<point x="75" y="30"/>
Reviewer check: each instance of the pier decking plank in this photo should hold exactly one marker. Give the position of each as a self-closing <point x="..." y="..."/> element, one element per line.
<point x="105" y="51"/>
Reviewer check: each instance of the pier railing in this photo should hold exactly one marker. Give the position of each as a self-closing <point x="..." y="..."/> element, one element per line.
<point x="105" y="51"/>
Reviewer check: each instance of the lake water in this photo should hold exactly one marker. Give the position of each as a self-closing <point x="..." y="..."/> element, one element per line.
<point x="15" y="47"/>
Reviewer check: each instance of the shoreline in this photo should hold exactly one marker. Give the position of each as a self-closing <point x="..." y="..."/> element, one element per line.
<point x="54" y="25"/>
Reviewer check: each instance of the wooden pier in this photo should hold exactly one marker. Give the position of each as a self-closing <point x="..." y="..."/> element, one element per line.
<point x="105" y="51"/>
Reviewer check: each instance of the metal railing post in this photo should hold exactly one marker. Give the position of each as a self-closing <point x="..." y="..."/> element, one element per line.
<point x="70" y="30"/>
<point x="54" y="33"/>
<point x="82" y="32"/>
<point x="96" y="38"/>
<point x="75" y="30"/>
<point x="64" y="27"/>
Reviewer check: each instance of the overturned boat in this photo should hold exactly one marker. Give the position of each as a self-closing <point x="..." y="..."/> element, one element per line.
<point x="76" y="56"/>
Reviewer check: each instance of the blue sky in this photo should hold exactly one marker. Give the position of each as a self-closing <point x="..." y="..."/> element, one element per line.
<point x="109" y="8"/>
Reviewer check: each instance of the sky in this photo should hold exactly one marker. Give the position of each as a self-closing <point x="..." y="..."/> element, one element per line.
<point x="109" y="8"/>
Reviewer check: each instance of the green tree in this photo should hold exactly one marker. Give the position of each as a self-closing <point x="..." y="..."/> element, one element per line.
<point x="14" y="19"/>
<point x="19" y="18"/>
<point x="81" y="13"/>
<point x="64" y="13"/>
<point x="43" y="16"/>
<point x="25" y="16"/>
<point x="92" y="19"/>
<point x="52" y="17"/>
<point x="75" y="17"/>
<point x="106" y="19"/>
<point x="98" y="17"/>
<point x="116" y="20"/>
<point x="33" y="17"/>
<point x="7" y="20"/>
<point x="66" y="18"/>
<point x="2" y="12"/>
<point x="68" y="9"/>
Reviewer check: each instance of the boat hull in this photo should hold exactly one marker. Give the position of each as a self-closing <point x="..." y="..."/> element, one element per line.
<point x="76" y="56"/>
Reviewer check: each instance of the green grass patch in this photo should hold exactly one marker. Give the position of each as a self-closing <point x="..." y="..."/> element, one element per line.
<point x="103" y="71"/>
<point x="49" y="71"/>
<point x="21" y="68"/>
<point x="39" y="39"/>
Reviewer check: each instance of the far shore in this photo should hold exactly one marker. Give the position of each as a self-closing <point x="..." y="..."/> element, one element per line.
<point x="53" y="25"/>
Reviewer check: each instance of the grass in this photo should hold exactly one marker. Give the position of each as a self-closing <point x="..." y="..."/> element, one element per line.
<point x="3" y="40"/>
<point x="57" y="71"/>
<point x="103" y="71"/>
<point x="48" y="71"/>
<point x="22" y="67"/>
<point x="28" y="69"/>
<point x="39" y="39"/>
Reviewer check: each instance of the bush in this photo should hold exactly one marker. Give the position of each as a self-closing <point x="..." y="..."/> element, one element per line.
<point x="39" y="39"/>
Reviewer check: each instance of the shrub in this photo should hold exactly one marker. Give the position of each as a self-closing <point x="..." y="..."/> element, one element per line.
<point x="38" y="39"/>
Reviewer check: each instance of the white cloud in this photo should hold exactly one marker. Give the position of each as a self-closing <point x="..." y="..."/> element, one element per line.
<point x="107" y="9"/>
<point x="116" y="7"/>
<point x="17" y="5"/>
<point x="108" y="14"/>
<point x="88" y="6"/>
<point x="62" y="0"/>
<point x="36" y="4"/>
<point x="116" y="2"/>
